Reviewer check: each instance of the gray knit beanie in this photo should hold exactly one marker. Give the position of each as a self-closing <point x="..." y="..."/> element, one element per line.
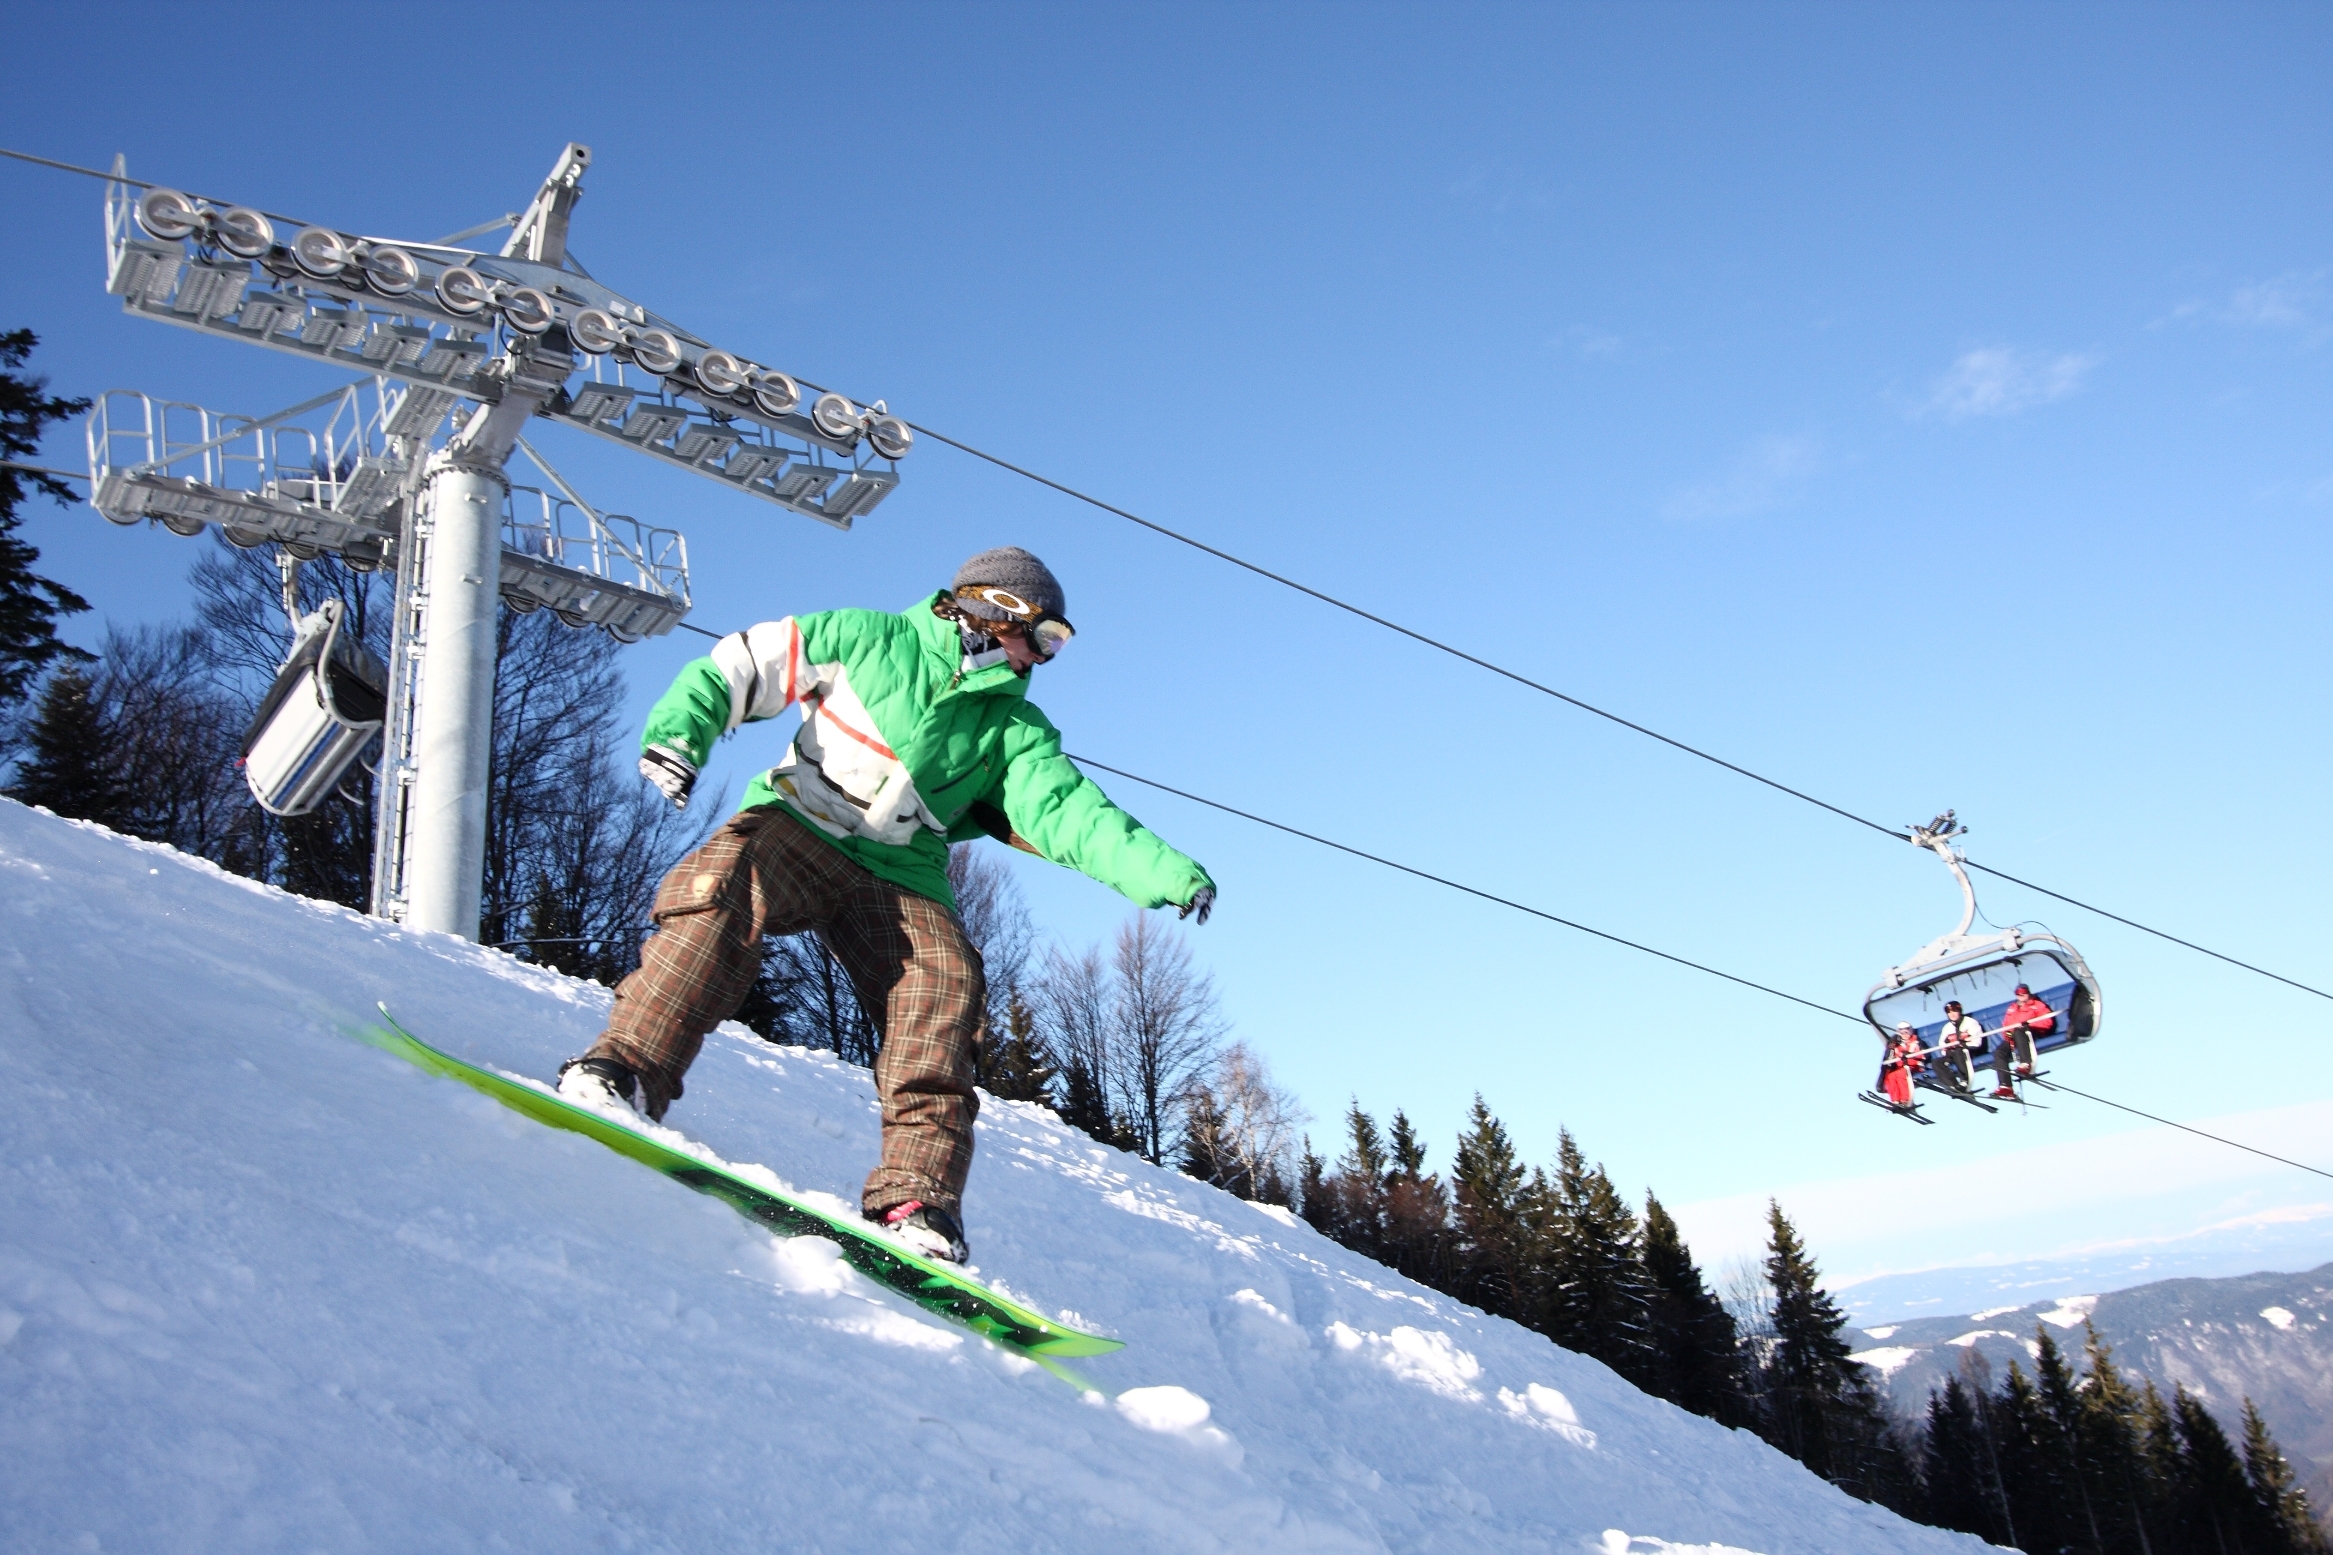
<point x="1014" y="570"/>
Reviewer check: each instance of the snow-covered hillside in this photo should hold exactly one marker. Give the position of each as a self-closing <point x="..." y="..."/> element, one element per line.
<point x="263" y="1287"/>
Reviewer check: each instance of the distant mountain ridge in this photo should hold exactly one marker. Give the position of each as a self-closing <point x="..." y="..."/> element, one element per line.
<point x="2268" y="1337"/>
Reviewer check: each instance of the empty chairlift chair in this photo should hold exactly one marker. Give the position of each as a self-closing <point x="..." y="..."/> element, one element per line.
<point x="327" y="703"/>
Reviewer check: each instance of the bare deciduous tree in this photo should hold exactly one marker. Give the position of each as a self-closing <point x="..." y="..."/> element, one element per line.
<point x="996" y="920"/>
<point x="575" y="843"/>
<point x="803" y="998"/>
<point x="1164" y="1027"/>
<point x="1071" y="1000"/>
<point x="1241" y="1131"/>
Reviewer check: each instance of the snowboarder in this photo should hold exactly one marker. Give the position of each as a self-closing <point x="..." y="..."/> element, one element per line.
<point x="2025" y="1019"/>
<point x="1902" y="1061"/>
<point x="1962" y="1037"/>
<point x="916" y="731"/>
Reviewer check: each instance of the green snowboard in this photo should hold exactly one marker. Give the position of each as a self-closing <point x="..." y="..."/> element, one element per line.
<point x="929" y="1284"/>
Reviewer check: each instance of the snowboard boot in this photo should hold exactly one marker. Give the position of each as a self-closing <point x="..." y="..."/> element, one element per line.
<point x="601" y="1084"/>
<point x="927" y="1228"/>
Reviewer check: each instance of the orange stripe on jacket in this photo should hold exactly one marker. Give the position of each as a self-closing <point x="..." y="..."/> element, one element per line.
<point x="868" y="740"/>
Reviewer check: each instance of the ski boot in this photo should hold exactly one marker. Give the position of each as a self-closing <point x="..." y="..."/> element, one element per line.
<point x="601" y="1084"/>
<point x="928" y="1229"/>
<point x="2004" y="1093"/>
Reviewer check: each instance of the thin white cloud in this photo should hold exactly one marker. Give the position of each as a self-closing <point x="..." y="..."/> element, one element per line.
<point x="2002" y="381"/>
<point x="2293" y="301"/>
<point x="1770" y="473"/>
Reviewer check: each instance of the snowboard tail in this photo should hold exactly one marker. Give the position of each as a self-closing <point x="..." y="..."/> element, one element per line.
<point x="934" y="1286"/>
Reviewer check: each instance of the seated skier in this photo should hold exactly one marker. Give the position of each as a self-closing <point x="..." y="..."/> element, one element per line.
<point x="1963" y="1035"/>
<point x="2025" y="1019"/>
<point x="917" y="731"/>
<point x="1903" y="1060"/>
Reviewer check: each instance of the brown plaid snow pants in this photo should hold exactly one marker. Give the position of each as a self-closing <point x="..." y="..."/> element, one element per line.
<point x="765" y="872"/>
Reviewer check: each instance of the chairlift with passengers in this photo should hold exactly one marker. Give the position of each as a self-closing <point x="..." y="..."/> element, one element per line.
<point x="1980" y="973"/>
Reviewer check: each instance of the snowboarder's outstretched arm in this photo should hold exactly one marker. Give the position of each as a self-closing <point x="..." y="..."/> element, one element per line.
<point x="1065" y="817"/>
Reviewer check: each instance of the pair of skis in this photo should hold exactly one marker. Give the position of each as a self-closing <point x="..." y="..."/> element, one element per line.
<point x="936" y="1287"/>
<point x="1905" y="1110"/>
<point x="1983" y="1104"/>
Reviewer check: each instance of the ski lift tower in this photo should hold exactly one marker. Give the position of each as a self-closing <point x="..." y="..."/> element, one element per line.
<point x="465" y="349"/>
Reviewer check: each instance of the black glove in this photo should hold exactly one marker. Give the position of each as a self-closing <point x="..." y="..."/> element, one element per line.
<point x="671" y="771"/>
<point x="1202" y="903"/>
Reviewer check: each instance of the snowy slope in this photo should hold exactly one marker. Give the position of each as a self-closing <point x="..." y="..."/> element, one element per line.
<point x="265" y="1288"/>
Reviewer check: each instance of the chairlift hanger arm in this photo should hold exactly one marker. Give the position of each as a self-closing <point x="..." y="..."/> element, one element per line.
<point x="1937" y="836"/>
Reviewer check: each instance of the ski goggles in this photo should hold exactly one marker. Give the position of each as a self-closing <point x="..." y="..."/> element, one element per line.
<point x="1046" y="631"/>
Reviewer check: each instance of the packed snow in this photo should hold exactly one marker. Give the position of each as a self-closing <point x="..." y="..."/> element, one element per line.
<point x="2280" y="1318"/>
<point x="264" y="1287"/>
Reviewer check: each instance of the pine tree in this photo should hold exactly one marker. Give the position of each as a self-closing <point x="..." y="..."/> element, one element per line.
<point x="1086" y="1107"/>
<point x="1487" y="1185"/>
<point x="1697" y="1352"/>
<point x="1824" y="1412"/>
<point x="1594" y="1295"/>
<point x="1201" y="1155"/>
<point x="1417" y="1210"/>
<point x="2219" y="1502"/>
<point x="1952" y="1466"/>
<point x="1020" y="1067"/>
<point x="29" y="604"/>
<point x="1360" y="1184"/>
<point x="2033" y="1455"/>
<point x="2107" y="1442"/>
<point x="2166" y="1469"/>
<point x="2058" y="1386"/>
<point x="1316" y="1201"/>
<point x="68" y="760"/>
<point x="1406" y="1150"/>
<point x="2281" y="1513"/>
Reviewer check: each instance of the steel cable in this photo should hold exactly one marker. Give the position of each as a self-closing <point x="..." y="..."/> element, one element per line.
<point x="1421" y="638"/>
<point x="1441" y="880"/>
<point x="1325" y="842"/>
<point x="1584" y="706"/>
<point x="2222" y="1139"/>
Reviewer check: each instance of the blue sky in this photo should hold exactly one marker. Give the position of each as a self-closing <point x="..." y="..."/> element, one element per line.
<point x="1926" y="406"/>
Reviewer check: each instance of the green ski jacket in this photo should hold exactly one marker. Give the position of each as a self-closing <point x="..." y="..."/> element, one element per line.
<point x="907" y="744"/>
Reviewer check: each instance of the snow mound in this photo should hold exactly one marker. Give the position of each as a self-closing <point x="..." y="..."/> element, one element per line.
<point x="264" y="1287"/>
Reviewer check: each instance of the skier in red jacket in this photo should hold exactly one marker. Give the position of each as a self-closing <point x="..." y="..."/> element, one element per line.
<point x="2025" y="1019"/>
<point x="1902" y="1061"/>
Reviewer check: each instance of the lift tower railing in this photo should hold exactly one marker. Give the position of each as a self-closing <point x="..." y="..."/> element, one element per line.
<point x="471" y="346"/>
